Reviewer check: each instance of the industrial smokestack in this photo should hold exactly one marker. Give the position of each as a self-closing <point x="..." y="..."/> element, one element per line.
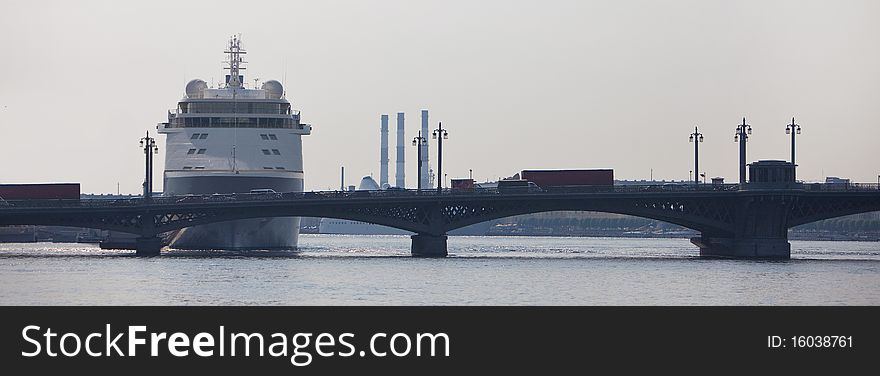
<point x="426" y="180"/>
<point x="383" y="153"/>
<point x="342" y="179"/>
<point x="400" y="176"/>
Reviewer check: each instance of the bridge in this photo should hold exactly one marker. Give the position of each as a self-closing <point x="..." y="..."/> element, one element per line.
<point x="738" y="221"/>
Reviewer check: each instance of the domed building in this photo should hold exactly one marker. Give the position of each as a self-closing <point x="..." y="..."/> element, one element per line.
<point x="368" y="184"/>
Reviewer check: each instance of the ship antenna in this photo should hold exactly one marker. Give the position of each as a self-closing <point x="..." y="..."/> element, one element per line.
<point x="235" y="62"/>
<point x="284" y="76"/>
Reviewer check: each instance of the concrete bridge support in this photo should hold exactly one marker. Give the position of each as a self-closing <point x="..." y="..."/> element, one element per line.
<point x="148" y="246"/>
<point x="759" y="230"/>
<point x="755" y="248"/>
<point x="425" y="245"/>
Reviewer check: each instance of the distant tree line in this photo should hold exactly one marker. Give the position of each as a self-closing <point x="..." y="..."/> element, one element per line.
<point x="843" y="224"/>
<point x="620" y="223"/>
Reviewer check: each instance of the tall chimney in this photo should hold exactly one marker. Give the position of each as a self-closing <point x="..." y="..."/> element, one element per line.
<point x="342" y="179"/>
<point x="401" y="181"/>
<point x="383" y="153"/>
<point x="426" y="180"/>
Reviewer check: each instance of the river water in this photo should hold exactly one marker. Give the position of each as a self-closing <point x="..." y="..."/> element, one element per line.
<point x="501" y="270"/>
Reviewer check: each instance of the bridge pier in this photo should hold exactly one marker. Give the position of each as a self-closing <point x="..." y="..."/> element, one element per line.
<point x="759" y="230"/>
<point x="424" y="245"/>
<point x="754" y="248"/>
<point x="148" y="246"/>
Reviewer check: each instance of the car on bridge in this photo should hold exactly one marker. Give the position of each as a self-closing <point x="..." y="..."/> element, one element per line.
<point x="221" y="197"/>
<point x="125" y="202"/>
<point x="190" y="199"/>
<point x="517" y="186"/>
<point x="290" y="195"/>
<point x="264" y="194"/>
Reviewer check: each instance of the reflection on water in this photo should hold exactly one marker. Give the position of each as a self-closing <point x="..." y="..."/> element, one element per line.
<point x="347" y="269"/>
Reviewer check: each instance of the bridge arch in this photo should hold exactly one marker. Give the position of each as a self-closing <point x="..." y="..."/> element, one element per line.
<point x="421" y="215"/>
<point x="812" y="209"/>
<point x="439" y="217"/>
<point x="584" y="222"/>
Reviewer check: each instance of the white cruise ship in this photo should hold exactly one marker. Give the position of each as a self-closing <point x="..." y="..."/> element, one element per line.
<point x="234" y="139"/>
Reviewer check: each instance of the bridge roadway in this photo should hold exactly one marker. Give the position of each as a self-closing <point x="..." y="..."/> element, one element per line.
<point x="733" y="222"/>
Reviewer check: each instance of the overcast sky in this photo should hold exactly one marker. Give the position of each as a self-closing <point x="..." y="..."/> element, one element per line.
<point x="518" y="84"/>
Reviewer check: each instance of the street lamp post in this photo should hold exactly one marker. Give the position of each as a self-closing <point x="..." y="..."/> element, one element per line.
<point x="696" y="138"/>
<point x="440" y="134"/>
<point x="793" y="129"/>
<point x="742" y="134"/>
<point x="150" y="148"/>
<point x="418" y="141"/>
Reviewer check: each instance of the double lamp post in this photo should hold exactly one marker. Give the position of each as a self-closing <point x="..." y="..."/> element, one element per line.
<point x="439" y="134"/>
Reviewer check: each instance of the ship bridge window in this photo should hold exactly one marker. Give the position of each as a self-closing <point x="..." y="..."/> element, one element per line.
<point x="239" y="107"/>
<point x="273" y="137"/>
<point x="235" y="122"/>
<point x="265" y="137"/>
<point x="191" y="151"/>
<point x="279" y="168"/>
<point x="195" y="136"/>
<point x="246" y="122"/>
<point x="267" y="152"/>
<point x="203" y="136"/>
<point x="272" y="123"/>
<point x="196" y="122"/>
<point x="276" y="152"/>
<point x="201" y="151"/>
<point x="223" y="122"/>
<point x="200" y="167"/>
<point x="267" y="168"/>
<point x="187" y="167"/>
<point x="223" y="107"/>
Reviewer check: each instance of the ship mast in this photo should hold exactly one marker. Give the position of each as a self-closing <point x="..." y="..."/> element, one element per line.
<point x="234" y="79"/>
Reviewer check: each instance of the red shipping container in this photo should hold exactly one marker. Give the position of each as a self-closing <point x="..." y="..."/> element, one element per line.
<point x="558" y="178"/>
<point x="462" y="184"/>
<point x="49" y="191"/>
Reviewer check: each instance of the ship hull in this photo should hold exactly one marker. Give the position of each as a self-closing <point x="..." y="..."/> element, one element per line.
<point x="258" y="233"/>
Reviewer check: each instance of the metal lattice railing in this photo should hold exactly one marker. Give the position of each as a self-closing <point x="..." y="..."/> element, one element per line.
<point x="398" y="193"/>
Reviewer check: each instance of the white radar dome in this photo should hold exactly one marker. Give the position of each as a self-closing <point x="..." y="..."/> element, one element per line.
<point x="368" y="184"/>
<point x="274" y="89"/>
<point x="194" y="88"/>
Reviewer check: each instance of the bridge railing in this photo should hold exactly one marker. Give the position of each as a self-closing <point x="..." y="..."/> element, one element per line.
<point x="836" y="187"/>
<point x="389" y="193"/>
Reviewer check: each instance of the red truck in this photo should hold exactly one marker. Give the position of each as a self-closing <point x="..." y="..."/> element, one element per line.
<point x="565" y="178"/>
<point x="48" y="191"/>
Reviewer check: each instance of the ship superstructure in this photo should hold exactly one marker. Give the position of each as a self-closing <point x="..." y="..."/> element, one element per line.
<point x="234" y="139"/>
